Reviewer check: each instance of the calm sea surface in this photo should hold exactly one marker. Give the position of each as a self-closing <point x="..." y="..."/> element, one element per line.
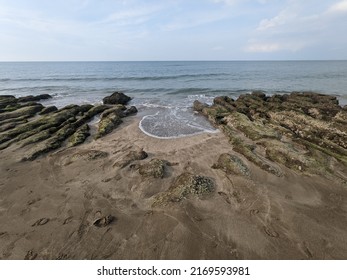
<point x="164" y="91"/>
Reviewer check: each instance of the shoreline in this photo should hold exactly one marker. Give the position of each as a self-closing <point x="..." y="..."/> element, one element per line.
<point x="128" y="195"/>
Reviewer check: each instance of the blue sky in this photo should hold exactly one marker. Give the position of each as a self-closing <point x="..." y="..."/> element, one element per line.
<point x="172" y="29"/>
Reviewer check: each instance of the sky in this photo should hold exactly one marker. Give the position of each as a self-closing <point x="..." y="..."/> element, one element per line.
<point x="134" y="30"/>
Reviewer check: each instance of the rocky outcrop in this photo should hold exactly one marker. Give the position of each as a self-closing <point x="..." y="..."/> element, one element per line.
<point x="108" y="123"/>
<point x="155" y="168"/>
<point x="48" y="110"/>
<point x="117" y="98"/>
<point x="34" y="98"/>
<point x="232" y="164"/>
<point x="303" y="131"/>
<point x="26" y="122"/>
<point x="79" y="136"/>
<point x="185" y="185"/>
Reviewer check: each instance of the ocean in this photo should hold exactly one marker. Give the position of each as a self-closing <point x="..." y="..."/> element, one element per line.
<point x="163" y="91"/>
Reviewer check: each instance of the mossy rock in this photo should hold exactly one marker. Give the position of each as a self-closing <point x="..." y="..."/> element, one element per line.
<point x="254" y="130"/>
<point x="79" y="136"/>
<point x="108" y="124"/>
<point x="27" y="110"/>
<point x="155" y="168"/>
<point x="232" y="164"/>
<point x="199" y="106"/>
<point x="48" y="110"/>
<point x="185" y="185"/>
<point x="7" y="100"/>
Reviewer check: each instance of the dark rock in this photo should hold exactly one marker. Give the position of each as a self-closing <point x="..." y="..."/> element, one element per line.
<point x="154" y="168"/>
<point x="86" y="107"/>
<point x="6" y="100"/>
<point x="131" y="111"/>
<point x="117" y="98"/>
<point x="30" y="111"/>
<point x="34" y="98"/>
<point x="117" y="110"/>
<point x="47" y="110"/>
<point x="199" y="106"/>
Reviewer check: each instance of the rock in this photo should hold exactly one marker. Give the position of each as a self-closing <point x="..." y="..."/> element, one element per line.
<point x="108" y="124"/>
<point x="117" y="98"/>
<point x="260" y="94"/>
<point x="225" y="101"/>
<point x="47" y="110"/>
<point x="131" y="111"/>
<point x="34" y="98"/>
<point x="52" y="143"/>
<point x="302" y="130"/>
<point x="86" y="107"/>
<point x="117" y="110"/>
<point x="29" y="111"/>
<point x="199" y="106"/>
<point x="138" y="154"/>
<point x="79" y="136"/>
<point x="154" y="168"/>
<point x="6" y="100"/>
<point x="94" y="110"/>
<point x="232" y="164"/>
<point x="58" y="119"/>
<point x="183" y="186"/>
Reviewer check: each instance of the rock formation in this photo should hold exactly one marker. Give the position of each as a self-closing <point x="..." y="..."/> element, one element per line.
<point x="303" y="131"/>
<point x="25" y="122"/>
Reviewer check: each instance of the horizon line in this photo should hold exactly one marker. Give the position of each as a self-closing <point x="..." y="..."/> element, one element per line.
<point x="207" y="60"/>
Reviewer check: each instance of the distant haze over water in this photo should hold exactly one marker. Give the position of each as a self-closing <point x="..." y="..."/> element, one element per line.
<point x="164" y="91"/>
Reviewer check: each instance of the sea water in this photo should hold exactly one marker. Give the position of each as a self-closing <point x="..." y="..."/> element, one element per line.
<point x="163" y="91"/>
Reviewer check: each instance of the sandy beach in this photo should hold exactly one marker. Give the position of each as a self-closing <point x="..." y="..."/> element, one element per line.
<point x="91" y="202"/>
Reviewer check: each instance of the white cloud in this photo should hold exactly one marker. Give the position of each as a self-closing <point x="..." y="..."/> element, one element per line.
<point x="296" y="27"/>
<point x="282" y="18"/>
<point x="339" y="7"/>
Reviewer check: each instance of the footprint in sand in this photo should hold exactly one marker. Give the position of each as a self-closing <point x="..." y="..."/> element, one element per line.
<point x="254" y="212"/>
<point x="32" y="201"/>
<point x="225" y="197"/>
<point x="271" y="232"/>
<point x="104" y="221"/>
<point x="67" y="220"/>
<point x="40" y="222"/>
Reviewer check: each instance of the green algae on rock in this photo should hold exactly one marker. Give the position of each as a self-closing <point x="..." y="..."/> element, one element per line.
<point x="24" y="121"/>
<point x="79" y="136"/>
<point x="183" y="186"/>
<point x="232" y="164"/>
<point x="155" y="168"/>
<point x="277" y="123"/>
